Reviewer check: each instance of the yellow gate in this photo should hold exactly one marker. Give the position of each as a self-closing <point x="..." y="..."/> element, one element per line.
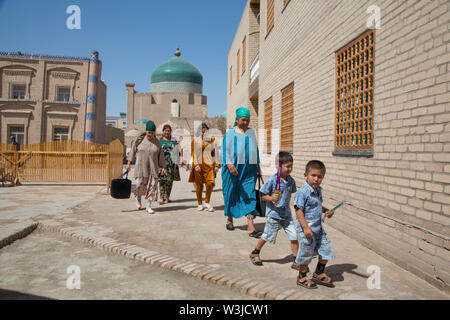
<point x="62" y="161"/>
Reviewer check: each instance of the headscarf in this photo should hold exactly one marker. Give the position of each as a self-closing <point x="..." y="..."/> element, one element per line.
<point x="167" y="126"/>
<point x="200" y="128"/>
<point x="150" y="126"/>
<point x="241" y="112"/>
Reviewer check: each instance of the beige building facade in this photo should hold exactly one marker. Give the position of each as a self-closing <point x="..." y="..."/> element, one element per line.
<point x="370" y="101"/>
<point x="47" y="97"/>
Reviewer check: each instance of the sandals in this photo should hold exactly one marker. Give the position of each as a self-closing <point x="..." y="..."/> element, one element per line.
<point x="256" y="260"/>
<point x="255" y="234"/>
<point x="296" y="266"/>
<point x="323" y="279"/>
<point x="306" y="283"/>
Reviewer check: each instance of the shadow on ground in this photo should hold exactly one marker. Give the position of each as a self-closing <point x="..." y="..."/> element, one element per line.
<point x="16" y="295"/>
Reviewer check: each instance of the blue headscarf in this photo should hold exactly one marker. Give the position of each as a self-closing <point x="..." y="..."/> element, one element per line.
<point x="241" y="112"/>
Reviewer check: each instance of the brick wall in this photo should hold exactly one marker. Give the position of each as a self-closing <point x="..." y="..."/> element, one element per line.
<point x="398" y="200"/>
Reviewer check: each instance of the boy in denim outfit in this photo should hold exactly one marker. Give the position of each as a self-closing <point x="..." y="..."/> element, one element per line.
<point x="279" y="214"/>
<point x="313" y="239"/>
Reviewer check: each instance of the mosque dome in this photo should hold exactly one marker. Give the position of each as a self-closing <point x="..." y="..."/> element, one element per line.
<point x="177" y="75"/>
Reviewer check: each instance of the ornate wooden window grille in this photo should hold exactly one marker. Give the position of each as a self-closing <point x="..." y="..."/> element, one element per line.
<point x="268" y="123"/>
<point x="244" y="49"/>
<point x="270" y="15"/>
<point x="287" y="119"/>
<point x="354" y="107"/>
<point x="231" y="77"/>
<point x="237" y="66"/>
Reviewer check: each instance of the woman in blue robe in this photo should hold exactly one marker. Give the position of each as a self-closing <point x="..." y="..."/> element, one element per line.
<point x="241" y="156"/>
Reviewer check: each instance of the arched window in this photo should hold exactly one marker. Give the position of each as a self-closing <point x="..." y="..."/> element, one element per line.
<point x="174" y="100"/>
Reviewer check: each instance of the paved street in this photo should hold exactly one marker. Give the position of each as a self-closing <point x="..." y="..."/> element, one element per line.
<point x="178" y="230"/>
<point x="36" y="268"/>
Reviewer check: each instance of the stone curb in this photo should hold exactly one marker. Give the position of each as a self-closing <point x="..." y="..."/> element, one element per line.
<point x="18" y="235"/>
<point x="200" y="271"/>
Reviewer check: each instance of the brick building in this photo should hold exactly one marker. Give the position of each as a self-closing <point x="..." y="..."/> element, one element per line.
<point x="371" y="103"/>
<point x="47" y="97"/>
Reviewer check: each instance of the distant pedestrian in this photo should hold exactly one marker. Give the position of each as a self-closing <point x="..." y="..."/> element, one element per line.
<point x="204" y="166"/>
<point x="312" y="237"/>
<point x="278" y="210"/>
<point x="168" y="145"/>
<point x="149" y="159"/>
<point x="240" y="158"/>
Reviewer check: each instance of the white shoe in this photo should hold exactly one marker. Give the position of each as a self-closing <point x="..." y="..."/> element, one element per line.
<point x="149" y="209"/>
<point x="209" y="207"/>
<point x="138" y="203"/>
<point x="200" y="207"/>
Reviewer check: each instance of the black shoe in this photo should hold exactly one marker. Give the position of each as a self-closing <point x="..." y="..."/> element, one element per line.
<point x="230" y="227"/>
<point x="255" y="234"/>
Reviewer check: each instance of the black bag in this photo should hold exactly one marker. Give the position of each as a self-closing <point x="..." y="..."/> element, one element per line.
<point x="260" y="203"/>
<point x="121" y="188"/>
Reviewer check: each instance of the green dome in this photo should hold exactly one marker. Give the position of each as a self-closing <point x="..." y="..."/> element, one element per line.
<point x="177" y="70"/>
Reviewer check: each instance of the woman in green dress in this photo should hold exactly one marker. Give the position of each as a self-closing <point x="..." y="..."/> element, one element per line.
<point x="170" y="147"/>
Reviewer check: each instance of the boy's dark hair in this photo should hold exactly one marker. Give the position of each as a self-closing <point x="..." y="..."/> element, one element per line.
<point x="283" y="157"/>
<point x="315" y="164"/>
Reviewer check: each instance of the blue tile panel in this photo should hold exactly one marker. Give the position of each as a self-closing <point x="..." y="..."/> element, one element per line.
<point x="90" y="116"/>
<point x="91" y="98"/>
<point x="89" y="136"/>
<point x="92" y="78"/>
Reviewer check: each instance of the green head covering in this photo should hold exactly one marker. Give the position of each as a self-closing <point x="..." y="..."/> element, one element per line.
<point x="241" y="112"/>
<point x="150" y="126"/>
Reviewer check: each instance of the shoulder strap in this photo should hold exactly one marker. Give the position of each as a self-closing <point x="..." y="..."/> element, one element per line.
<point x="140" y="138"/>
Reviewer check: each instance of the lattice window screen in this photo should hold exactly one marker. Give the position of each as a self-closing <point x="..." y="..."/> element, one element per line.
<point x="244" y="53"/>
<point x="270" y="15"/>
<point x="287" y="119"/>
<point x="237" y="66"/>
<point x="231" y="77"/>
<point x="355" y="94"/>
<point x="268" y="123"/>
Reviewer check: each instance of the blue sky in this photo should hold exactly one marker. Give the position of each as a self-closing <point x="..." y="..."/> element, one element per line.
<point x="133" y="38"/>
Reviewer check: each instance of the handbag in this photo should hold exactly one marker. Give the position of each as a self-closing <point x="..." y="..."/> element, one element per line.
<point x="121" y="188"/>
<point x="260" y="203"/>
<point x="176" y="173"/>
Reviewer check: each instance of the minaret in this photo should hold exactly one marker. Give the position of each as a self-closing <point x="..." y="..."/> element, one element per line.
<point x="91" y="105"/>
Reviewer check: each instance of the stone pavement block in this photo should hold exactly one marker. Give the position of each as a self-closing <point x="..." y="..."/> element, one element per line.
<point x="170" y="264"/>
<point x="240" y="283"/>
<point x="271" y="295"/>
<point x="187" y="267"/>
<point x="146" y="254"/>
<point x="264" y="291"/>
<point x="162" y="261"/>
<point x="210" y="275"/>
<point x="285" y="294"/>
<point x="123" y="250"/>
<point x="155" y="259"/>
<point x="180" y="265"/>
<point x="232" y="281"/>
<point x="203" y="273"/>
<point x="201" y="268"/>
<point x="224" y="280"/>
<point x="244" y="288"/>
<point x="153" y="256"/>
<point x="219" y="276"/>
<point x="253" y="291"/>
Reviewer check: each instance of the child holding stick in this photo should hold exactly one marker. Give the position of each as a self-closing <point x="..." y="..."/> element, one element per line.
<point x="277" y="192"/>
<point x="313" y="239"/>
